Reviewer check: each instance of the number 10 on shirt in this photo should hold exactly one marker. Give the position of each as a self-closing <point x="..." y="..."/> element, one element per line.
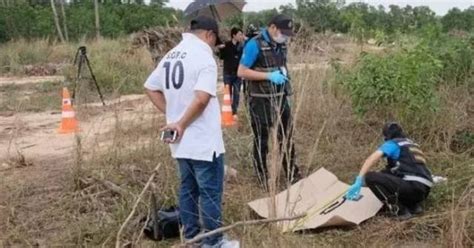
<point x="176" y="73"/>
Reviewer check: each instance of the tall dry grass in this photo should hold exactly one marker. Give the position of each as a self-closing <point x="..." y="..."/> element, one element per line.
<point x="327" y="134"/>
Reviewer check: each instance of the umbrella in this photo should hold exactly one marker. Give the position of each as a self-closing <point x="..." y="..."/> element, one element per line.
<point x="217" y="9"/>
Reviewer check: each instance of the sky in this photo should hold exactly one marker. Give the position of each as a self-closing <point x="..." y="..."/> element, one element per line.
<point x="439" y="6"/>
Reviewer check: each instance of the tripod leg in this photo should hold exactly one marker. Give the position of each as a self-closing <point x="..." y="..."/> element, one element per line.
<point x="78" y="76"/>
<point x="95" y="81"/>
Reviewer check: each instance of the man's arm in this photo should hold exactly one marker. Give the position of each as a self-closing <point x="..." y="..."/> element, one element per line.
<point x="370" y="162"/>
<point x="250" y="74"/>
<point x="200" y="102"/>
<point x="158" y="99"/>
<point x="249" y="57"/>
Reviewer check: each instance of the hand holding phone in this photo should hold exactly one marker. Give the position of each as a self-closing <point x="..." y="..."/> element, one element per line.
<point x="168" y="136"/>
<point x="172" y="133"/>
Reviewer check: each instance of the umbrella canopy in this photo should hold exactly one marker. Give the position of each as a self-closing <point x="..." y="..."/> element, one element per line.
<point x="217" y="9"/>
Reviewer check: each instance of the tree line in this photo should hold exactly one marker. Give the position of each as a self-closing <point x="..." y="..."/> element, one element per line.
<point x="336" y="16"/>
<point x="76" y="19"/>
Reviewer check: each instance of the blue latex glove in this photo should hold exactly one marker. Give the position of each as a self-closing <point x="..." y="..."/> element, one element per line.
<point x="277" y="78"/>
<point x="354" y="190"/>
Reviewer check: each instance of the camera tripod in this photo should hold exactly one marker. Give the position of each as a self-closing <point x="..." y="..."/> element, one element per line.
<point x="79" y="60"/>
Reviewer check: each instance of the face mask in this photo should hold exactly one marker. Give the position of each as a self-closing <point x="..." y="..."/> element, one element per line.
<point x="281" y="39"/>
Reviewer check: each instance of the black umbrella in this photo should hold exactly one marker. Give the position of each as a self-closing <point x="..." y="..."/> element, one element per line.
<point x="217" y="9"/>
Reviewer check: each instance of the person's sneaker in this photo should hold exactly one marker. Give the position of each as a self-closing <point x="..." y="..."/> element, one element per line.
<point x="224" y="243"/>
<point x="236" y="118"/>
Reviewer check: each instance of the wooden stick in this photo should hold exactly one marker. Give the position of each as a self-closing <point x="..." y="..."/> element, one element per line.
<point x="241" y="223"/>
<point x="139" y="198"/>
<point x="113" y="187"/>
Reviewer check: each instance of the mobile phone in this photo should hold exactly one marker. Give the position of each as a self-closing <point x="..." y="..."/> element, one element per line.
<point x="169" y="135"/>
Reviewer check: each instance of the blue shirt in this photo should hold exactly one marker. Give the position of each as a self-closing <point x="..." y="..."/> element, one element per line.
<point x="252" y="50"/>
<point x="390" y="149"/>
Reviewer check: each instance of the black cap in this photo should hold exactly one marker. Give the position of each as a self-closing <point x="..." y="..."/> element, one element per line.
<point x="206" y="23"/>
<point x="284" y="23"/>
<point x="392" y="130"/>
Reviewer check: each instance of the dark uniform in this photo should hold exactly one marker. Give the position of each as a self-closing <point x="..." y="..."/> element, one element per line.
<point x="269" y="107"/>
<point x="406" y="181"/>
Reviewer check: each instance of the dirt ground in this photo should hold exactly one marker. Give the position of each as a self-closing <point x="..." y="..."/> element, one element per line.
<point x="36" y="158"/>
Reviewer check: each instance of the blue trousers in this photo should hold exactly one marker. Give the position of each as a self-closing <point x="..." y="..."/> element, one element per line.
<point x="201" y="195"/>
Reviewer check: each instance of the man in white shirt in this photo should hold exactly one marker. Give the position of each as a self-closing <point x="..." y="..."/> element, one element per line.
<point x="184" y="86"/>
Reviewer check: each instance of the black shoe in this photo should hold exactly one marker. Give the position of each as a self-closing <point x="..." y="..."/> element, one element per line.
<point x="402" y="213"/>
<point x="416" y="209"/>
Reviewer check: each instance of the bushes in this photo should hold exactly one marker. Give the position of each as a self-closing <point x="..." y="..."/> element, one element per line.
<point x="404" y="83"/>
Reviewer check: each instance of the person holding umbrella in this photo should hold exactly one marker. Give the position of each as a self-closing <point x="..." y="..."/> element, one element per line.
<point x="264" y="66"/>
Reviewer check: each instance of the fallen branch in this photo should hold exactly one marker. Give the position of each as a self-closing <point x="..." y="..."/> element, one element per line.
<point x="113" y="187"/>
<point x="240" y="223"/>
<point x="137" y="201"/>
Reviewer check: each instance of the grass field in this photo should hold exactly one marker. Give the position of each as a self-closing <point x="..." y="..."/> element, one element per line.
<point x="69" y="201"/>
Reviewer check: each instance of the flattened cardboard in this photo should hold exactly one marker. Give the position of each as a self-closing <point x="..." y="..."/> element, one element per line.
<point x="321" y="197"/>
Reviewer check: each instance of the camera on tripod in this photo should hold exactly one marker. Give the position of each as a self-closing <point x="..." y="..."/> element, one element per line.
<point x="79" y="60"/>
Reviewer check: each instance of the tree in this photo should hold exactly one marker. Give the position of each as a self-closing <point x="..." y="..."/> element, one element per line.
<point x="56" y="21"/>
<point x="321" y="14"/>
<point x="97" y="19"/>
<point x="460" y="20"/>
<point x="158" y="2"/>
<point x="288" y="10"/>
<point x="66" y="34"/>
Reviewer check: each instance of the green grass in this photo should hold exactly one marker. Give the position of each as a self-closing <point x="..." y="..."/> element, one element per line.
<point x="117" y="67"/>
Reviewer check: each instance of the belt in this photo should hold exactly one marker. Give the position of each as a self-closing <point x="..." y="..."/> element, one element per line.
<point x="421" y="180"/>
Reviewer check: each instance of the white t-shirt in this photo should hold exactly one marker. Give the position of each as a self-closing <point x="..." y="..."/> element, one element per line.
<point x="189" y="67"/>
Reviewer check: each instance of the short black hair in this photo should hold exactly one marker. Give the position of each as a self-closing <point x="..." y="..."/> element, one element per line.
<point x="392" y="130"/>
<point x="235" y="31"/>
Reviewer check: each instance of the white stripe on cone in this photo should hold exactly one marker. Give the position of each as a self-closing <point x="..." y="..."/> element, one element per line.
<point x="68" y="114"/>
<point x="226" y="109"/>
<point x="226" y="97"/>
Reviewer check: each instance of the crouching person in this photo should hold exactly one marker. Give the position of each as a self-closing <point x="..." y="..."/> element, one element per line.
<point x="405" y="182"/>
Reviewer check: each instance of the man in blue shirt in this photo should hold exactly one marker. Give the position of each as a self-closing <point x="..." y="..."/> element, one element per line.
<point x="263" y="65"/>
<point x="405" y="182"/>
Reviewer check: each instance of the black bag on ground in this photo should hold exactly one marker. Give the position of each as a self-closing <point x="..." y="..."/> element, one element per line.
<point x="163" y="224"/>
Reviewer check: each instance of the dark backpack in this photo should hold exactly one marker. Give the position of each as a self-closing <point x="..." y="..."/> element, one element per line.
<point x="163" y="224"/>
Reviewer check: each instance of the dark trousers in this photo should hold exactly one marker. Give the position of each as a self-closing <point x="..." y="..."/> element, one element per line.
<point x="234" y="83"/>
<point x="201" y="195"/>
<point x="266" y="113"/>
<point x="393" y="190"/>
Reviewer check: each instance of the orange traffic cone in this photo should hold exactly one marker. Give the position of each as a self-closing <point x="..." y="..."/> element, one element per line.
<point x="68" y="121"/>
<point x="227" y="118"/>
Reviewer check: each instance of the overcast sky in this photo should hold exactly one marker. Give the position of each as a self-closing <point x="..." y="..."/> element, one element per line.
<point x="439" y="6"/>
